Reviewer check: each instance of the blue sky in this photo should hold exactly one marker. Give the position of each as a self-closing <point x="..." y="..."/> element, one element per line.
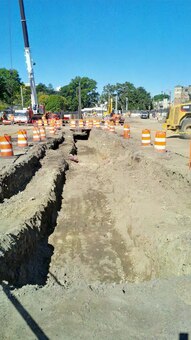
<point x="146" y="42"/>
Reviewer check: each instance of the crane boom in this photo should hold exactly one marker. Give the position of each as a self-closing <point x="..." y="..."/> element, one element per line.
<point x="29" y="62"/>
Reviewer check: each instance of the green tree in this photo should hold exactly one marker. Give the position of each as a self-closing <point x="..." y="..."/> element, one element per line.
<point x="160" y="97"/>
<point x="144" y="101"/>
<point x="137" y="98"/>
<point x="89" y="95"/>
<point x="43" y="98"/>
<point x="9" y="85"/>
<point x="55" y="103"/>
<point x="41" y="88"/>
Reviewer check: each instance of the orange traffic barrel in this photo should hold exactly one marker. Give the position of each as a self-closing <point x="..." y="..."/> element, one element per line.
<point x="106" y="125"/>
<point x="51" y="130"/>
<point x="45" y="122"/>
<point x="22" y="138"/>
<point x="42" y="133"/>
<point x="112" y="127"/>
<point x="52" y="122"/>
<point x="80" y="123"/>
<point x="90" y="123"/>
<point x="72" y="123"/>
<point x="97" y="124"/>
<point x="39" y="122"/>
<point x="146" y="137"/>
<point x="160" y="141"/>
<point x="60" y="122"/>
<point x="6" y="146"/>
<point x="126" y="131"/>
<point x="36" y="134"/>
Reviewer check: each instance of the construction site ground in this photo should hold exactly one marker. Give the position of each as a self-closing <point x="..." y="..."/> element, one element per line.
<point x="96" y="243"/>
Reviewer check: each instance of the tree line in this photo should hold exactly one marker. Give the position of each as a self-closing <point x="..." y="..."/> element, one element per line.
<point x="13" y="91"/>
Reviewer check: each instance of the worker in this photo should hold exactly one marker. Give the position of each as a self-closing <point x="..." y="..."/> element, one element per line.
<point x="4" y="117"/>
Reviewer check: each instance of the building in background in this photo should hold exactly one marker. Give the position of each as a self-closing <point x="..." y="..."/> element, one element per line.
<point x="182" y="94"/>
<point x="161" y="105"/>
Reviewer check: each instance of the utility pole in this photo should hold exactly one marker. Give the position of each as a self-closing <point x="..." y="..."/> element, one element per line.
<point x="79" y="101"/>
<point x="126" y="108"/>
<point x="116" y="98"/>
<point x="22" y="101"/>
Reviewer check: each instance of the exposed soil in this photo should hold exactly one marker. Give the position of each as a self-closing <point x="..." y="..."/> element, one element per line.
<point x="117" y="265"/>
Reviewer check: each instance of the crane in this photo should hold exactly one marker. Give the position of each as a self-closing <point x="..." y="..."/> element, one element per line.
<point x="29" y="62"/>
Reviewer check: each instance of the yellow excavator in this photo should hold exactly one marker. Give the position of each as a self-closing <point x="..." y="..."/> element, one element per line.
<point x="109" y="107"/>
<point x="179" y="120"/>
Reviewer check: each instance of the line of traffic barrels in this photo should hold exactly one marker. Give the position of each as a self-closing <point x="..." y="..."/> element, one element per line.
<point x="57" y="123"/>
<point x="81" y="123"/>
<point x="6" y="146"/>
<point x="160" y="136"/>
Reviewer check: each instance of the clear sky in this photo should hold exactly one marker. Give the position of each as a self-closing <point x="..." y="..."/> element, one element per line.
<point x="146" y="42"/>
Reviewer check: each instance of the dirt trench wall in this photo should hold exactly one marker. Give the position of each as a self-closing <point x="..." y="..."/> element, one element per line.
<point x="15" y="178"/>
<point x="38" y="218"/>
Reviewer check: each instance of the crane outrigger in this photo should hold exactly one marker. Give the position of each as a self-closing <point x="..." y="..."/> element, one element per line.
<point x="29" y="62"/>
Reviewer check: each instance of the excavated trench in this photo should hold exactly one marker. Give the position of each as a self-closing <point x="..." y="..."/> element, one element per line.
<point x="15" y="178"/>
<point x="29" y="217"/>
<point x="111" y="224"/>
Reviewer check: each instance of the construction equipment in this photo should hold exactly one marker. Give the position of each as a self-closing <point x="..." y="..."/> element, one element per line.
<point x="179" y="120"/>
<point x="29" y="62"/>
<point x="109" y="107"/>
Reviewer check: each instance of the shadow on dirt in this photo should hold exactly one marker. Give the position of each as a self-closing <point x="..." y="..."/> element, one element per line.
<point x="81" y="136"/>
<point x="173" y="137"/>
<point x="31" y="323"/>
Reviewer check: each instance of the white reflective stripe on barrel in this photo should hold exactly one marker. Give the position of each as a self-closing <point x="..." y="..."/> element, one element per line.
<point x="5" y="150"/>
<point x="160" y="139"/>
<point x="145" y="135"/>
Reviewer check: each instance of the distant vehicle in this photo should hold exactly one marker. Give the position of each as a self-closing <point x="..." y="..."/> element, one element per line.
<point x="135" y="114"/>
<point x="144" y="115"/>
<point x="66" y="117"/>
<point x="22" y="116"/>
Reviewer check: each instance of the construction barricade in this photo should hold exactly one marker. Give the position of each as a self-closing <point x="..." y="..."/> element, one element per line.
<point x="112" y="127"/>
<point x="160" y="141"/>
<point x="42" y="133"/>
<point x="52" y="130"/>
<point x="36" y="134"/>
<point x="39" y="122"/>
<point x="97" y="124"/>
<point x="126" y="131"/>
<point x="81" y="123"/>
<point x="45" y="123"/>
<point x="6" y="148"/>
<point x="22" y="138"/>
<point x="146" y="138"/>
<point x="72" y="124"/>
